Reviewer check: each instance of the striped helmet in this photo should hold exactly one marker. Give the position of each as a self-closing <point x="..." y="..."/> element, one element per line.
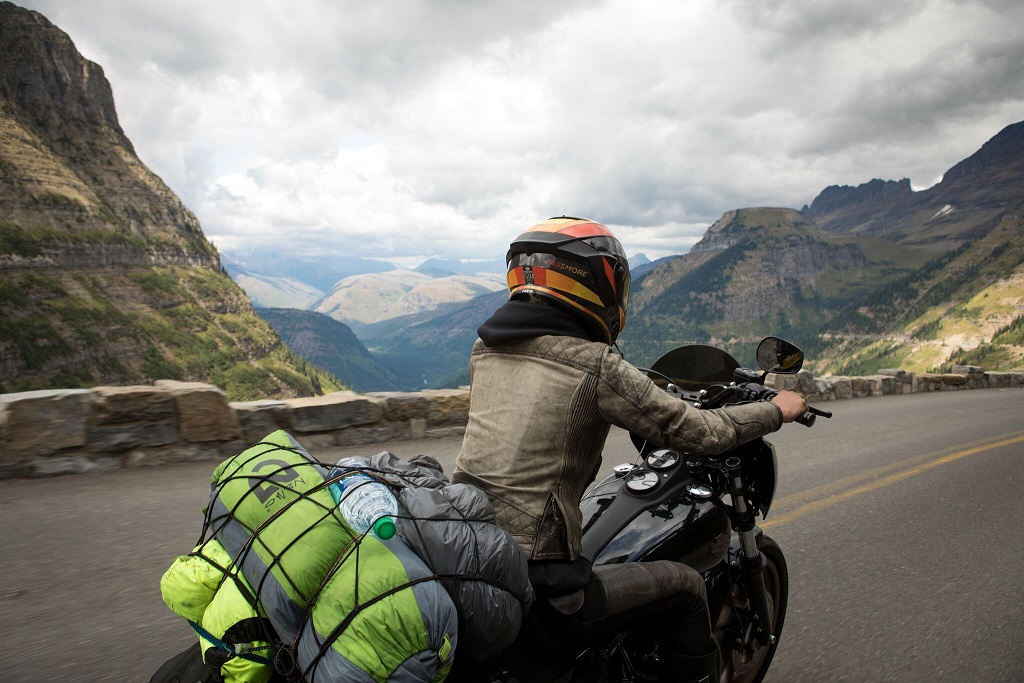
<point x="575" y="263"/>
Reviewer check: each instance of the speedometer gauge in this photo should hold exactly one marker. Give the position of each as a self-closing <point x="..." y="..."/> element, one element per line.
<point x="662" y="459"/>
<point x="641" y="481"/>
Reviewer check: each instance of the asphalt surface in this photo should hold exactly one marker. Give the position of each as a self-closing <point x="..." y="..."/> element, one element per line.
<point x="899" y="520"/>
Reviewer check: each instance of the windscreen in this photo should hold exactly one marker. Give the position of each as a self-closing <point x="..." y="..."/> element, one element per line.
<point x="696" y="367"/>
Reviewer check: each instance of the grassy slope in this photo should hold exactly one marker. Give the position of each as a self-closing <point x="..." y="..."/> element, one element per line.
<point x="958" y="309"/>
<point x="62" y="328"/>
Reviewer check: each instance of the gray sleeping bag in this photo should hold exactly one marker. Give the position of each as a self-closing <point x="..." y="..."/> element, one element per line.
<point x="453" y="530"/>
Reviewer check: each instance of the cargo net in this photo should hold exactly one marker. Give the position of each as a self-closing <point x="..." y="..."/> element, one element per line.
<point x="321" y="601"/>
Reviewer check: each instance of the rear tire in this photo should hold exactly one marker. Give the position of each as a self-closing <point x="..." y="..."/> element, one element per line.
<point x="744" y="659"/>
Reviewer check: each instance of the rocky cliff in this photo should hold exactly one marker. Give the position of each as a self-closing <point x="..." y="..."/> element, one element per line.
<point x="966" y="204"/>
<point x="755" y="271"/>
<point x="66" y="165"/>
<point x="105" y="277"/>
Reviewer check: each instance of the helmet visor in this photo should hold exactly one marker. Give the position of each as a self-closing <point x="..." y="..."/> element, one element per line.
<point x="549" y="271"/>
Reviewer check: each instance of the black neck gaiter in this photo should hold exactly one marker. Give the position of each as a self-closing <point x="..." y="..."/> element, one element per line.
<point x="518" y="320"/>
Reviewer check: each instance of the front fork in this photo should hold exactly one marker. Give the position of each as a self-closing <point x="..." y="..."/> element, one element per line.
<point x="751" y="562"/>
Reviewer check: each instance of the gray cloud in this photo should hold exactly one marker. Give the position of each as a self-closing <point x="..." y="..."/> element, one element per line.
<point x="418" y="128"/>
<point x="807" y="25"/>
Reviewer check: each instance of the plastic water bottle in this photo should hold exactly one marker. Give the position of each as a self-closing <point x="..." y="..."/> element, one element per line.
<point x="365" y="502"/>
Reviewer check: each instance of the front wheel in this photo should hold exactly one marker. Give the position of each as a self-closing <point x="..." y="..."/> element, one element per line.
<point x="744" y="658"/>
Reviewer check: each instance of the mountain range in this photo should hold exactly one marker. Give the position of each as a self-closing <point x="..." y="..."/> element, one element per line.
<point x="331" y="345"/>
<point x="106" y="278"/>
<point x="352" y="289"/>
<point x="863" y="278"/>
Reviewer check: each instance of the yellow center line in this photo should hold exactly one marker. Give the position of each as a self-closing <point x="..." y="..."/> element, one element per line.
<point x="846" y="482"/>
<point x="818" y="505"/>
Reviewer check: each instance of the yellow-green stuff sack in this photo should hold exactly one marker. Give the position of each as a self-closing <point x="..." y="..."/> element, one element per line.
<point x="197" y="588"/>
<point x="354" y="608"/>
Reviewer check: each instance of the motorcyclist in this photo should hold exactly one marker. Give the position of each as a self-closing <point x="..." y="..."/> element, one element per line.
<point x="545" y="386"/>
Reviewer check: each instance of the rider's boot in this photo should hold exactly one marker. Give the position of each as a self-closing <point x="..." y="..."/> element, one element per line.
<point x="676" y="668"/>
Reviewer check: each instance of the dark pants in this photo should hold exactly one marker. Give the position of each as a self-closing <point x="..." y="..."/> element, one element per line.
<point x="663" y="599"/>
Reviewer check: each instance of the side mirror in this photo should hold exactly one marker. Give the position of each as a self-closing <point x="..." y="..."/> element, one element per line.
<point x="779" y="356"/>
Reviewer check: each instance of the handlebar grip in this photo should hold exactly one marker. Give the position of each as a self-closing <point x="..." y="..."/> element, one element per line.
<point x="807" y="419"/>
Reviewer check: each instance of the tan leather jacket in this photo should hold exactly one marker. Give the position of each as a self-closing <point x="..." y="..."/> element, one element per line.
<point x="538" y="419"/>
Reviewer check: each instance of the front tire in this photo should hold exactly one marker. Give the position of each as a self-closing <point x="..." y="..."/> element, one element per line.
<point x="744" y="658"/>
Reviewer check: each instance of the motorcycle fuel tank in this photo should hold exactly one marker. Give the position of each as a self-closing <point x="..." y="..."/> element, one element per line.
<point x="647" y="513"/>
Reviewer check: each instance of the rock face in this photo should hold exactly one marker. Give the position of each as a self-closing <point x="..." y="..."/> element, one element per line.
<point x="65" y="163"/>
<point x="751" y="265"/>
<point x="1002" y="153"/>
<point x="853" y="209"/>
<point x="105" y="277"/>
<point x="966" y="204"/>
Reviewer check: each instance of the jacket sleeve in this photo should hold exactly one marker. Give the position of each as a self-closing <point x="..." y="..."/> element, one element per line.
<point x="629" y="399"/>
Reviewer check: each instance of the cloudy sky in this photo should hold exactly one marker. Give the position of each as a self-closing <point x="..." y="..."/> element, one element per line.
<point x="403" y="129"/>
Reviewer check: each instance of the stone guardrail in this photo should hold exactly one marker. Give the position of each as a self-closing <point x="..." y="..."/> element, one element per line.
<point x="66" y="431"/>
<point x="888" y="382"/>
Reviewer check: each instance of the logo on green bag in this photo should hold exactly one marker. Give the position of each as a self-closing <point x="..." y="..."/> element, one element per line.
<point x="269" y="486"/>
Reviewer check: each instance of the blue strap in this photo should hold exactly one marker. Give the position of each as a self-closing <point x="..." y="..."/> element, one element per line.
<point x="235" y="651"/>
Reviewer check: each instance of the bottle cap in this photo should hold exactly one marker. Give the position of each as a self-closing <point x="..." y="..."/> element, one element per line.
<point x="384" y="528"/>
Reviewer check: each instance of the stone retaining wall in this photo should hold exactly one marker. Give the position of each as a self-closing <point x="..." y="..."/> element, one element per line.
<point x="894" y="382"/>
<point x="67" y="431"/>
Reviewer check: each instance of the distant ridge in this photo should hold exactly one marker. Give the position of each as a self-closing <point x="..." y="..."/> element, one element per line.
<point x="965" y="204"/>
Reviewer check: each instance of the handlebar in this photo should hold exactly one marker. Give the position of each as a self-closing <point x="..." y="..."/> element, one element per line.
<point x="757" y="392"/>
<point x="810" y="415"/>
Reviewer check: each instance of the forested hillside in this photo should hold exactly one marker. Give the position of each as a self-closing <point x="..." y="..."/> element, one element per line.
<point x="332" y="346"/>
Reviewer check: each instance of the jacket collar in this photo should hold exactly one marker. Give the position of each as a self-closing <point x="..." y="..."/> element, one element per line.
<point x="518" y="320"/>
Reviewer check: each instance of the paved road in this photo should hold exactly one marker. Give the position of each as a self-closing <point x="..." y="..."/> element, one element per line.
<point x="899" y="519"/>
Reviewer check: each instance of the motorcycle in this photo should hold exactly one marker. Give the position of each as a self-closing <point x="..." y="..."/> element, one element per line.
<point x="701" y="511"/>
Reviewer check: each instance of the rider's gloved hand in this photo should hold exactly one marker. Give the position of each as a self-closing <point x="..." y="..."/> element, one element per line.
<point x="792" y="404"/>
